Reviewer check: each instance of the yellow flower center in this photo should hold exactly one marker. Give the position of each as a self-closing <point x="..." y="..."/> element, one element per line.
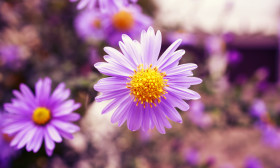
<point x="41" y="115"/>
<point x="96" y="23"/>
<point x="123" y="21"/>
<point x="147" y="86"/>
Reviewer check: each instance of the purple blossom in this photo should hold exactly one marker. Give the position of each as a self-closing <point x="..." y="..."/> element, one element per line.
<point x="89" y="25"/>
<point x="144" y="88"/>
<point x="187" y="38"/>
<point x="270" y="134"/>
<point x="252" y="162"/>
<point x="103" y="5"/>
<point x="44" y="116"/>
<point x="10" y="56"/>
<point x="129" y="20"/>
<point x="192" y="157"/>
<point x="234" y="57"/>
<point x="214" y="45"/>
<point x="197" y="115"/>
<point x="258" y="109"/>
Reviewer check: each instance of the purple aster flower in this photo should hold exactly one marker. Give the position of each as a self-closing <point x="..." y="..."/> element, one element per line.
<point x="258" y="109"/>
<point x="129" y="20"/>
<point x="270" y="134"/>
<point x="10" y="56"/>
<point x="197" y="115"/>
<point x="192" y="157"/>
<point x="233" y="57"/>
<point x="44" y="116"/>
<point x="252" y="162"/>
<point x="144" y="88"/>
<point x="104" y="5"/>
<point x="214" y="45"/>
<point x="89" y="25"/>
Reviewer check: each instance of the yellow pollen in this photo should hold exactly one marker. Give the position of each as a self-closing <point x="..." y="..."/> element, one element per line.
<point x="97" y="23"/>
<point x="123" y="21"/>
<point x="147" y="86"/>
<point x="41" y="115"/>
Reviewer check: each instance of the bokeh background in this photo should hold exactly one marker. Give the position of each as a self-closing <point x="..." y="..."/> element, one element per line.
<point x="235" y="124"/>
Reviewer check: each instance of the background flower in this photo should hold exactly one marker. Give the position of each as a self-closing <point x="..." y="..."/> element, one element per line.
<point x="44" y="116"/>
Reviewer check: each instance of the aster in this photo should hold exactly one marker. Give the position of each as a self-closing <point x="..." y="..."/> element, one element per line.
<point x="128" y="20"/>
<point x="144" y="88"/>
<point x="89" y="25"/>
<point x="103" y="5"/>
<point x="44" y="116"/>
<point x="11" y="56"/>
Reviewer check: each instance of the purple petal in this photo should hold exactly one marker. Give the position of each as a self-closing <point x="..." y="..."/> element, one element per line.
<point x="146" y="118"/>
<point x="59" y="94"/>
<point x="134" y="119"/>
<point x="168" y="53"/>
<point x="49" y="143"/>
<point x="105" y="84"/>
<point x="115" y="103"/>
<point x="157" y="121"/>
<point x="173" y="60"/>
<point x="37" y="140"/>
<point x="170" y="111"/>
<point x="65" y="108"/>
<point x="65" y="126"/>
<point x="121" y="111"/>
<point x="112" y="95"/>
<point x="176" y="102"/>
<point x="183" y="93"/>
<point x="112" y="69"/>
<point x="115" y="54"/>
<point x="55" y="136"/>
<point x="69" y="117"/>
<point x="184" y="69"/>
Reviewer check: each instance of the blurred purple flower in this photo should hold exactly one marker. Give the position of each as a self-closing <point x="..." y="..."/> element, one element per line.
<point x="89" y="25"/>
<point x="234" y="57"/>
<point x="144" y="88"/>
<point x="192" y="157"/>
<point x="187" y="38"/>
<point x="197" y="115"/>
<point x="252" y="162"/>
<point x="270" y="134"/>
<point x="214" y="45"/>
<point x="94" y="57"/>
<point x="130" y="21"/>
<point x="10" y="56"/>
<point x="103" y="5"/>
<point x="43" y="116"/>
<point x="7" y="152"/>
<point x="258" y="109"/>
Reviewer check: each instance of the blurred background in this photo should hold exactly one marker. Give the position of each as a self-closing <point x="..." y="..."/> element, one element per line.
<point x="235" y="124"/>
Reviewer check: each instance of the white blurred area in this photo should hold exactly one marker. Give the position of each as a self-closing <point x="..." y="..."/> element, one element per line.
<point x="241" y="17"/>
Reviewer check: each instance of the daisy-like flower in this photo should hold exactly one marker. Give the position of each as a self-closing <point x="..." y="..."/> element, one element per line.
<point x="44" y="116"/>
<point x="128" y="20"/>
<point x="144" y="88"/>
<point x="89" y="25"/>
<point x="104" y="5"/>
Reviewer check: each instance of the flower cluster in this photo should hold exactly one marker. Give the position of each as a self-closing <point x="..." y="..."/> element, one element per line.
<point x="98" y="26"/>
